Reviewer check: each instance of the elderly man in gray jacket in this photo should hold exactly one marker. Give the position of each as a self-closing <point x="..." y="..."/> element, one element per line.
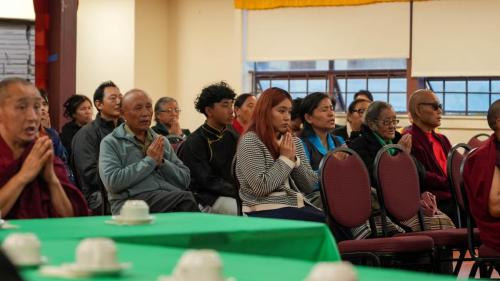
<point x="136" y="163"/>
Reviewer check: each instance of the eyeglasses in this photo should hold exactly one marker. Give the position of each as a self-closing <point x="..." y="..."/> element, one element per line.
<point x="359" y="111"/>
<point x="170" y="110"/>
<point x="388" y="122"/>
<point x="434" y="105"/>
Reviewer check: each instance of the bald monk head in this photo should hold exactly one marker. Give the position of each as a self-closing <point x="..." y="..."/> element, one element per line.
<point x="494" y="117"/>
<point x="137" y="109"/>
<point x="20" y="112"/>
<point x="425" y="110"/>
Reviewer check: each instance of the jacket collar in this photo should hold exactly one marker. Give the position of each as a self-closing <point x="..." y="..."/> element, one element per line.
<point x="105" y="123"/>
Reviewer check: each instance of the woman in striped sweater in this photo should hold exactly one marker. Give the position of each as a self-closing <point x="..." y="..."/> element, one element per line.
<point x="274" y="174"/>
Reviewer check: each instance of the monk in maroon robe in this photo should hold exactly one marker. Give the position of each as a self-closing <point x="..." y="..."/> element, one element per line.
<point x="482" y="182"/>
<point x="33" y="182"/>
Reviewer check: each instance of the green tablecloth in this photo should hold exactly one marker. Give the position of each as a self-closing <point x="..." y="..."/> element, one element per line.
<point x="266" y="237"/>
<point x="149" y="262"/>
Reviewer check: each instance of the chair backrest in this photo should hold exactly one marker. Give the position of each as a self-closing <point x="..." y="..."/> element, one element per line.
<point x="345" y="188"/>
<point x="236" y="184"/>
<point x="465" y="200"/>
<point x="476" y="140"/>
<point x="398" y="184"/>
<point x="453" y="163"/>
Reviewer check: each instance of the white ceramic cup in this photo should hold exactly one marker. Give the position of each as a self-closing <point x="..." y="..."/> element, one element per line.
<point x="96" y="253"/>
<point x="196" y="265"/>
<point x="22" y="248"/>
<point x="134" y="210"/>
<point x="332" y="271"/>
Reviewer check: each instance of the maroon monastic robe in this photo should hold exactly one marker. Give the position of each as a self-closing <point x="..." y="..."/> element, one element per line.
<point x="478" y="176"/>
<point x="34" y="201"/>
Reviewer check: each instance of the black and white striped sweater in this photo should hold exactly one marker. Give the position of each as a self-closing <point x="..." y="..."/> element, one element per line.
<point x="267" y="183"/>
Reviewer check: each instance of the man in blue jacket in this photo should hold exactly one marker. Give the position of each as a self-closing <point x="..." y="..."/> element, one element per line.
<point x="136" y="163"/>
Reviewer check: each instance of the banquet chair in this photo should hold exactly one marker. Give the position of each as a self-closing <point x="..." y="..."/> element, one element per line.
<point x="478" y="140"/>
<point x="398" y="186"/>
<point x="346" y="195"/>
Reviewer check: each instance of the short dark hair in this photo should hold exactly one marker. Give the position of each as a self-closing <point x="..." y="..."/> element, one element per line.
<point x="353" y="105"/>
<point x="296" y="108"/>
<point x="99" y="92"/>
<point x="213" y="94"/>
<point x="240" y="100"/>
<point x="44" y="94"/>
<point x="366" y="93"/>
<point x="72" y="104"/>
<point x="309" y="104"/>
<point x="493" y="114"/>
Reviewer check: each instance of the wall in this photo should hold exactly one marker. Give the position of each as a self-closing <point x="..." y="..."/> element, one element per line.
<point x="151" y="71"/>
<point x="105" y="44"/>
<point x="17" y="9"/>
<point x="204" y="47"/>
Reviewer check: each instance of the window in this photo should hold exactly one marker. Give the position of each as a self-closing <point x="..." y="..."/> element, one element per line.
<point x="17" y="47"/>
<point x="465" y="96"/>
<point x="386" y="79"/>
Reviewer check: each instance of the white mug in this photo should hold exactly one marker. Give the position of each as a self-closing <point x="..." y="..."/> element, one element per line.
<point x="196" y="265"/>
<point x="96" y="253"/>
<point x="332" y="271"/>
<point x="22" y="248"/>
<point x="134" y="210"/>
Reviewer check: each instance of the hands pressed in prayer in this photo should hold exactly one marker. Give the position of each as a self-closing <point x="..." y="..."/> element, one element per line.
<point x="38" y="158"/>
<point x="405" y="142"/>
<point x="428" y="204"/>
<point x="175" y="127"/>
<point x="287" y="147"/>
<point x="155" y="150"/>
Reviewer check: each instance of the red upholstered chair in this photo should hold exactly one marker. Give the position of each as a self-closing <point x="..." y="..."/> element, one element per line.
<point x="486" y="259"/>
<point x="478" y="140"/>
<point x="453" y="162"/>
<point x="399" y="196"/>
<point x="345" y="190"/>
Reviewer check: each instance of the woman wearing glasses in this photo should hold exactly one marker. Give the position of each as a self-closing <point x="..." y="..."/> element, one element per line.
<point x="378" y="130"/>
<point x="355" y="117"/>
<point x="167" y="120"/>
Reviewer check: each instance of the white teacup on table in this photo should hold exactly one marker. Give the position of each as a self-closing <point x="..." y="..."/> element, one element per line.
<point x="332" y="271"/>
<point x="196" y="265"/>
<point x="96" y="256"/>
<point x="23" y="249"/>
<point x="134" y="212"/>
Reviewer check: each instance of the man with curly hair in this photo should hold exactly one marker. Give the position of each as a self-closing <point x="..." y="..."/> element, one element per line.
<point x="209" y="151"/>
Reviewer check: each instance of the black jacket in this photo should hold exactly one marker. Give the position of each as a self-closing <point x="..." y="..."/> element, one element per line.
<point x="85" y="158"/>
<point x="68" y="131"/>
<point x="209" y="154"/>
<point x="163" y="130"/>
<point x="367" y="146"/>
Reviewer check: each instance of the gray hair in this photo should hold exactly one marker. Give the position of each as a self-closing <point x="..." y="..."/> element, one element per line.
<point x="374" y="110"/>
<point x="159" y="103"/>
<point x="494" y="114"/>
<point x="5" y="83"/>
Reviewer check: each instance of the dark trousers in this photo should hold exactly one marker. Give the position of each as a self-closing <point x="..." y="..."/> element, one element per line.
<point x="306" y="213"/>
<point x="162" y="201"/>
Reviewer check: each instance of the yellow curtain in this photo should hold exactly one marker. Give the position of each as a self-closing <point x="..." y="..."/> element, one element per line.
<point x="271" y="4"/>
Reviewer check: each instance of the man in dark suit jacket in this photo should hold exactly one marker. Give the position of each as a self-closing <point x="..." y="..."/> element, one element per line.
<point x="431" y="148"/>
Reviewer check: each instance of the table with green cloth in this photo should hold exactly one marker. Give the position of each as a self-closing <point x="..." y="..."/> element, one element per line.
<point x="266" y="237"/>
<point x="149" y="262"/>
